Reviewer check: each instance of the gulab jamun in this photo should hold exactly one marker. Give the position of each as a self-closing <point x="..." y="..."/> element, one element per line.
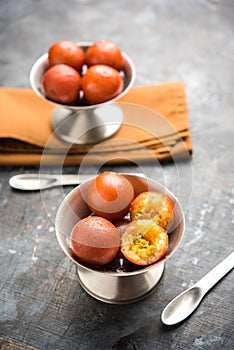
<point x="155" y="206"/>
<point x="104" y="52"/>
<point x="101" y="83"/>
<point x="110" y="195"/>
<point x="95" y="240"/>
<point x="144" y="242"/>
<point x="61" y="83"/>
<point x="66" y="52"/>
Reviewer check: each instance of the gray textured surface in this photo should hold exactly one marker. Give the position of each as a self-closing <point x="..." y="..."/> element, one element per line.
<point x="41" y="304"/>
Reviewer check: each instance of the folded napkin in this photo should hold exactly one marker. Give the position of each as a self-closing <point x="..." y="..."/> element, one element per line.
<point x="26" y="134"/>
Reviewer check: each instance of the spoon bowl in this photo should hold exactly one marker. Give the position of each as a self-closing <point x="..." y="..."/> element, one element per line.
<point x="186" y="302"/>
<point x="182" y="306"/>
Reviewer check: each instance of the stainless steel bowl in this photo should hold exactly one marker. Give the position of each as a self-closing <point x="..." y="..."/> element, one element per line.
<point x="116" y="286"/>
<point x="84" y="124"/>
<point x="41" y="65"/>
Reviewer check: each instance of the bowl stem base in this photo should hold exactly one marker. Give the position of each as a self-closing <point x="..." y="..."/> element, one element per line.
<point x="120" y="289"/>
<point x="87" y="126"/>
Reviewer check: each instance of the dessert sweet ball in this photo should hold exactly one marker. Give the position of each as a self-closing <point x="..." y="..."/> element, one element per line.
<point x="78" y="77"/>
<point x="122" y="224"/>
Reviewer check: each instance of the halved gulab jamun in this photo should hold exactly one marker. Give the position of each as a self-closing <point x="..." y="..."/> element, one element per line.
<point x="155" y="206"/>
<point x="144" y="242"/>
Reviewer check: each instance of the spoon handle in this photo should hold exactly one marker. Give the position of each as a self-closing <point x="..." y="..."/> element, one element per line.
<point x="213" y="276"/>
<point x="38" y="181"/>
<point x="74" y="179"/>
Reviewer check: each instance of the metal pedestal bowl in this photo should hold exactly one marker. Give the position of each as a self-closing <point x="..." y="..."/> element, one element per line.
<point x="88" y="124"/>
<point x="112" y="283"/>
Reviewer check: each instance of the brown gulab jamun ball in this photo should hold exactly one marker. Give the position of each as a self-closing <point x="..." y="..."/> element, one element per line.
<point x="104" y="52"/>
<point x="144" y="242"/>
<point x="110" y="195"/>
<point x="61" y="83"/>
<point x="101" y="83"/>
<point x="95" y="240"/>
<point x="66" y="52"/>
<point x="155" y="206"/>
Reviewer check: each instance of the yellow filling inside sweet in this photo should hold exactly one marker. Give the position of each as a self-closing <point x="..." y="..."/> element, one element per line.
<point x="145" y="245"/>
<point x="142" y="248"/>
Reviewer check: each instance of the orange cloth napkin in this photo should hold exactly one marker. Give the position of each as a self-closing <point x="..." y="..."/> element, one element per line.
<point x="161" y="131"/>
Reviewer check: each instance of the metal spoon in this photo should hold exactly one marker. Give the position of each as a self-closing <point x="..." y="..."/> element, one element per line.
<point x="185" y="303"/>
<point x="30" y="182"/>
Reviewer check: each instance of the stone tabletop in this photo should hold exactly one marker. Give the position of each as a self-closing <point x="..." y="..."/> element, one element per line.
<point x="42" y="305"/>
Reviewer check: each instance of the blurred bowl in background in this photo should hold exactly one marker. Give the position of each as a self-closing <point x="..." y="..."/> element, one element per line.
<point x="84" y="124"/>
